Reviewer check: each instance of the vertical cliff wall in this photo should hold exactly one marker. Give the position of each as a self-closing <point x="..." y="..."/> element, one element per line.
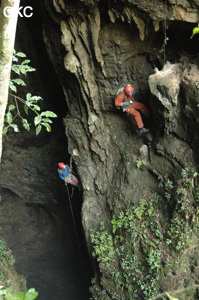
<point x="147" y="44"/>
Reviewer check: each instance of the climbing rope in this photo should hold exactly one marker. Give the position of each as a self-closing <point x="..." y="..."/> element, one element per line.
<point x="76" y="234"/>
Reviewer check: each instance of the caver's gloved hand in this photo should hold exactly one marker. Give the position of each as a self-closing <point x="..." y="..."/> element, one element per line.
<point x="126" y="103"/>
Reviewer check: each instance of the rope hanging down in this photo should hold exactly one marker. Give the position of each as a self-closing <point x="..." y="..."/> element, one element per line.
<point x="76" y="234"/>
<point x="65" y="173"/>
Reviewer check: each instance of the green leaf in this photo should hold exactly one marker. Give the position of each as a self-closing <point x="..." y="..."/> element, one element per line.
<point x="33" y="98"/>
<point x="49" y="114"/>
<point x="28" y="103"/>
<point x="20" y="54"/>
<point x="36" y="107"/>
<point x="5" y="130"/>
<point x="14" y="58"/>
<point x="26" y="125"/>
<point x="26" y="109"/>
<point x="28" y="96"/>
<point x="38" y="129"/>
<point x="12" y="86"/>
<point x="11" y="107"/>
<point x="195" y="31"/>
<point x="36" y="98"/>
<point x="16" y="69"/>
<point x="47" y="120"/>
<point x="37" y="120"/>
<point x="19" y="81"/>
<point x="26" y="68"/>
<point x="30" y="69"/>
<point x="23" y="70"/>
<point x="48" y="127"/>
<point x="15" y="127"/>
<point x="19" y="296"/>
<point x="31" y="294"/>
<point x="9" y="118"/>
<point x="25" y="62"/>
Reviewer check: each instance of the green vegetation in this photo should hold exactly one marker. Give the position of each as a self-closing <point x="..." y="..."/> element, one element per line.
<point x="6" y="254"/>
<point x="140" y="163"/>
<point x="7" y="261"/>
<point x="195" y="31"/>
<point x="6" y="294"/>
<point x="104" y="245"/>
<point x="41" y="119"/>
<point x="142" y="244"/>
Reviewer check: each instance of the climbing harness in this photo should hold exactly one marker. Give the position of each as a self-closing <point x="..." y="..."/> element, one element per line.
<point x="66" y="173"/>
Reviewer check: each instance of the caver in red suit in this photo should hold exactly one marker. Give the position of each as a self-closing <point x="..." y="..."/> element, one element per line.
<point x="126" y="101"/>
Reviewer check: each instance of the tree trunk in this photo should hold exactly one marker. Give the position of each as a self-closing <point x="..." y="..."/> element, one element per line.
<point x="8" y="22"/>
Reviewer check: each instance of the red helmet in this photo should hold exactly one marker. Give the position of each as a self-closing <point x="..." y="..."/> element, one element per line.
<point x="129" y="90"/>
<point x="61" y="165"/>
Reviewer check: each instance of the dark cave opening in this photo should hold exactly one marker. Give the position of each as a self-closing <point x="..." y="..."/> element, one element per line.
<point x="174" y="43"/>
<point x="48" y="242"/>
<point x="179" y="35"/>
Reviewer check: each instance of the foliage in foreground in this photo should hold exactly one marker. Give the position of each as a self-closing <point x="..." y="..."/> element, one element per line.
<point x="7" y="294"/>
<point x="143" y="245"/>
<point x="30" y="103"/>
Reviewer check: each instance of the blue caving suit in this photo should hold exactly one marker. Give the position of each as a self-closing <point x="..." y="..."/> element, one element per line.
<point x="68" y="177"/>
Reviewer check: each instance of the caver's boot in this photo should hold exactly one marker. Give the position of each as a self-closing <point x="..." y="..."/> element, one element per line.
<point x="144" y="130"/>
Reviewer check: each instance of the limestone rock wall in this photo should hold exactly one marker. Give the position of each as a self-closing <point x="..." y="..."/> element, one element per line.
<point x="146" y="43"/>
